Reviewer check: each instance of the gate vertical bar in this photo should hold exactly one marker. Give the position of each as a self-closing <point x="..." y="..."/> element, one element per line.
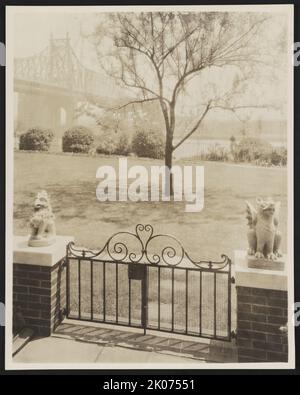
<point x="129" y="301"/>
<point x="172" y="299"/>
<point x="215" y="304"/>
<point x="79" y="288"/>
<point x="186" y="300"/>
<point x="117" y="292"/>
<point x="68" y="283"/>
<point x="158" y="286"/>
<point x="200" y="304"/>
<point x="144" y="285"/>
<point x="229" y="300"/>
<point x="92" y="289"/>
<point x="104" y="304"/>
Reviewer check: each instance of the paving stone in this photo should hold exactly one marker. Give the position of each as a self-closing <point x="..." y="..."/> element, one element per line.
<point x="121" y="355"/>
<point x="84" y="331"/>
<point x="111" y="333"/>
<point x="186" y="344"/>
<point x="63" y="327"/>
<point x="176" y="345"/>
<point x="167" y="342"/>
<point x="127" y="335"/>
<point x="118" y="339"/>
<point x="22" y="339"/>
<point x="201" y="348"/>
<point x="98" y="333"/>
<point x="142" y="338"/>
<point x="70" y="329"/>
<point x="155" y="341"/>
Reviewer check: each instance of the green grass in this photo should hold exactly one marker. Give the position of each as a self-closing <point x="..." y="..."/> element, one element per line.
<point x="219" y="228"/>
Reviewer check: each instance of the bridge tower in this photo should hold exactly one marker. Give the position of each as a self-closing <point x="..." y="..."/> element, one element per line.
<point x="51" y="111"/>
<point x="48" y="87"/>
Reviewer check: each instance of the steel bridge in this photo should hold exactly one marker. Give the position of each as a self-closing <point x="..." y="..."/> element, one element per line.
<point x="50" y="84"/>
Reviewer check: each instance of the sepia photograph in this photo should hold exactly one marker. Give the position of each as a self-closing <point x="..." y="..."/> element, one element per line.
<point x="149" y="218"/>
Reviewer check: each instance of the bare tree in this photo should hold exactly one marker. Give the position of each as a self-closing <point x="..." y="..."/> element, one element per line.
<point x="159" y="54"/>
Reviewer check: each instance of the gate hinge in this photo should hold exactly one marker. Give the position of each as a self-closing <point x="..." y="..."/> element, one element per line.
<point x="232" y="280"/>
<point x="62" y="314"/>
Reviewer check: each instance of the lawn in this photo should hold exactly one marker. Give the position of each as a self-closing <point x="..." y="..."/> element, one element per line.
<point x="219" y="228"/>
<point x="71" y="182"/>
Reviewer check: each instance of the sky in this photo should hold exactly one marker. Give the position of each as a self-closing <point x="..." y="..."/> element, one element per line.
<point x="32" y="32"/>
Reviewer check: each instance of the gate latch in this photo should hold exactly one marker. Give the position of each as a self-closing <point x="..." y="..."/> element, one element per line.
<point x="136" y="271"/>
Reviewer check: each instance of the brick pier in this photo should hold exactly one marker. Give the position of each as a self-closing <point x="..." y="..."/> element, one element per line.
<point x="262" y="309"/>
<point x="39" y="285"/>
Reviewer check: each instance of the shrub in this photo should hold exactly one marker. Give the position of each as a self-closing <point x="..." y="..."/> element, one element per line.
<point x="251" y="149"/>
<point x="36" y="139"/>
<point x="114" y="143"/>
<point x="106" y="145"/>
<point x="148" y="144"/>
<point x="278" y="156"/>
<point x="77" y="139"/>
<point x="216" y="153"/>
<point x="123" y="145"/>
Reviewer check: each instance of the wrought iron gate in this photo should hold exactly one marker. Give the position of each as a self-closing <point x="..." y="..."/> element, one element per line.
<point x="138" y="280"/>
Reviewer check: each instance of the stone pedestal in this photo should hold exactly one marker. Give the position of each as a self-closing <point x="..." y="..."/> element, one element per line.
<point x="39" y="284"/>
<point x="278" y="265"/>
<point x="262" y="306"/>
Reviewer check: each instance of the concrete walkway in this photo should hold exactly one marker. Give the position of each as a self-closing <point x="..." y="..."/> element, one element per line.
<point x="59" y="350"/>
<point x="76" y="343"/>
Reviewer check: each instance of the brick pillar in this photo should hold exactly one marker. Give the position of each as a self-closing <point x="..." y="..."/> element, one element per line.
<point x="39" y="285"/>
<point x="262" y="307"/>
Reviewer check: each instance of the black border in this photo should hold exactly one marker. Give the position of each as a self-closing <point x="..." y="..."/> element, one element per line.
<point x="106" y="374"/>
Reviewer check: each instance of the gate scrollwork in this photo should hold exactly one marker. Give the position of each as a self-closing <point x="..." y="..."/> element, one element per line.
<point x="170" y="251"/>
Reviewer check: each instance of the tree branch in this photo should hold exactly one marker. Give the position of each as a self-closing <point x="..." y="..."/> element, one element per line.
<point x="234" y="109"/>
<point x="136" y="102"/>
<point x="209" y="107"/>
<point x="193" y="130"/>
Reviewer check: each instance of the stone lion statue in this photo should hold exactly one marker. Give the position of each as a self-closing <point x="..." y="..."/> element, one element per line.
<point x="42" y="222"/>
<point x="263" y="236"/>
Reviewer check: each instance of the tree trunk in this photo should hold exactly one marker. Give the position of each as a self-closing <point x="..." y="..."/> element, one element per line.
<point x="168" y="163"/>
